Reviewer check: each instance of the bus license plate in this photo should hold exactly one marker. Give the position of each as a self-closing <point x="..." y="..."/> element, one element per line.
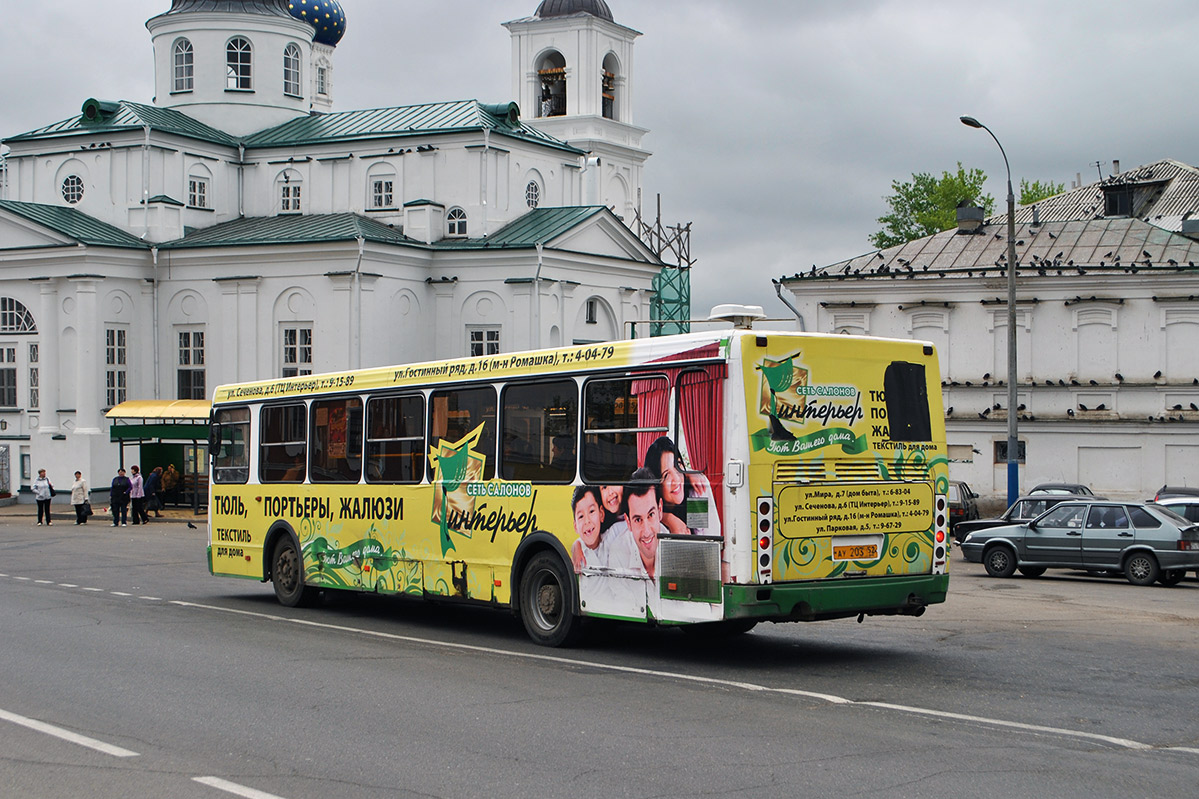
<point x="856" y="552"/>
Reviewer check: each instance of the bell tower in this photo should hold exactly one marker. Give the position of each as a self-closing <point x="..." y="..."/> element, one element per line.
<point x="572" y="70"/>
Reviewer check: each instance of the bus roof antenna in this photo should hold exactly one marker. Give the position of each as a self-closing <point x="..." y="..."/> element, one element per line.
<point x="741" y="316"/>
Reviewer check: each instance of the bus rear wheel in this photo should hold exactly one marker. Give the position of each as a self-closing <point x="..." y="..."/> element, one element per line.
<point x="287" y="576"/>
<point x="547" y="601"/>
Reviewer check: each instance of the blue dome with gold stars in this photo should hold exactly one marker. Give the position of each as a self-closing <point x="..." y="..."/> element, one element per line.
<point x="325" y="16"/>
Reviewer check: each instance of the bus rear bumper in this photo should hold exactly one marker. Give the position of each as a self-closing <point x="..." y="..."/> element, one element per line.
<point x="906" y="595"/>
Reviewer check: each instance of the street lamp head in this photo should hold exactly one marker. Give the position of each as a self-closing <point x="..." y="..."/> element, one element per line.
<point x="971" y="121"/>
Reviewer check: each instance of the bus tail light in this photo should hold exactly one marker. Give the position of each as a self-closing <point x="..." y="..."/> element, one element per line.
<point x="764" y="534"/>
<point x="941" y="534"/>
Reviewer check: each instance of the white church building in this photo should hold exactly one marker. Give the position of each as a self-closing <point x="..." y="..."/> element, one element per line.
<point x="238" y="227"/>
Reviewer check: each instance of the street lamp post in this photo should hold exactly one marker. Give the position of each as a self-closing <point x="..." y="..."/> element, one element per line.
<point x="1013" y="474"/>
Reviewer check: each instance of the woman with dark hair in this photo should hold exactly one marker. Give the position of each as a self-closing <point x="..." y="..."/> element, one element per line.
<point x="665" y="461"/>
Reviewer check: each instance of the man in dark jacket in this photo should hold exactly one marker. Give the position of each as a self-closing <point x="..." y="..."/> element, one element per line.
<point x="118" y="495"/>
<point x="153" y="486"/>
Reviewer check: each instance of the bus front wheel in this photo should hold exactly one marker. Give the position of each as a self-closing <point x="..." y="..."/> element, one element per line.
<point x="287" y="575"/>
<point x="547" y="601"/>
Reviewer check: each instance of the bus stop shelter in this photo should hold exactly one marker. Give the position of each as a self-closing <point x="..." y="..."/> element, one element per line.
<point x="167" y="433"/>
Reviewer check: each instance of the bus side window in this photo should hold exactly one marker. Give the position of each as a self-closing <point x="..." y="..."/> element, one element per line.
<point x="231" y="459"/>
<point x="282" y="450"/>
<point x="336" y="440"/>
<point x="395" y="439"/>
<point x="907" y="402"/>
<point x="455" y="415"/>
<point x="540" y="428"/>
<point x="622" y="417"/>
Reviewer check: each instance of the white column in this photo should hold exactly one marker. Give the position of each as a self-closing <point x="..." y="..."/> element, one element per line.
<point x="49" y="332"/>
<point x="90" y="358"/>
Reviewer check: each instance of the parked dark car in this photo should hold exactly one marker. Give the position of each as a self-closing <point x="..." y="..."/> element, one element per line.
<point x="1173" y="492"/>
<point x="1147" y="542"/>
<point x="963" y="503"/>
<point x="1025" y="509"/>
<point x="1186" y="507"/>
<point x="1076" y="489"/>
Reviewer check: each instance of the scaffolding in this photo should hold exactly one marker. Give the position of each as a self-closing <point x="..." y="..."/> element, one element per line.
<point x="670" y="307"/>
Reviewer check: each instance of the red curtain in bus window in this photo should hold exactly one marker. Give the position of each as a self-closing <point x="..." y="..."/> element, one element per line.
<point x="653" y="410"/>
<point x="701" y="416"/>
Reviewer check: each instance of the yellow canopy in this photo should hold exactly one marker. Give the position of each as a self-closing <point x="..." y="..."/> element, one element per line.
<point x="161" y="409"/>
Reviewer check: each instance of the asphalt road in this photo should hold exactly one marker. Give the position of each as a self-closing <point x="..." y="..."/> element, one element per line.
<point x="129" y="672"/>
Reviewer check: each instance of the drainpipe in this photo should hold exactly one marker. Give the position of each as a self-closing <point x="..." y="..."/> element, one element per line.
<point x="154" y="323"/>
<point x="778" y="289"/>
<point x="356" y="356"/>
<point x="241" y="180"/>
<point x="146" y="183"/>
<point x="537" y="292"/>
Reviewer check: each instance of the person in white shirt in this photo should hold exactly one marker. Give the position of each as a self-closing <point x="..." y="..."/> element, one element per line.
<point x="42" y="492"/>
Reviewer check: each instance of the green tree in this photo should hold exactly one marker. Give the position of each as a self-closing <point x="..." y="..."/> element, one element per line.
<point x="1035" y="191"/>
<point x="928" y="205"/>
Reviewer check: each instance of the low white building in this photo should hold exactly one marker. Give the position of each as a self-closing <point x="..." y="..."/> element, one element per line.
<point x="1107" y="332"/>
<point x="238" y="227"/>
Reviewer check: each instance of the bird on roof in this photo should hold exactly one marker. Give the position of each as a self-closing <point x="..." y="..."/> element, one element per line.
<point x="1074" y="382"/>
<point x="1120" y="377"/>
<point x="1070" y="412"/>
<point x="1082" y="407"/>
<point x="1101" y="407"/>
<point x="1051" y="235"/>
<point x="1157" y="375"/>
<point x="1094" y="383"/>
<point x="1146" y="253"/>
<point x="949" y="411"/>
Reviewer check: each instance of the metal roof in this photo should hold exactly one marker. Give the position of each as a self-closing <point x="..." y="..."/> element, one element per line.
<point x="402" y="121"/>
<point x="131" y="116"/>
<point x="539" y="226"/>
<point x="1092" y="246"/>
<point x="74" y="224"/>
<point x="290" y="229"/>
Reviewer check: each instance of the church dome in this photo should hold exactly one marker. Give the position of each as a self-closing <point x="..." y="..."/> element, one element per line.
<point x="270" y="8"/>
<point x="325" y="16"/>
<point x="566" y="8"/>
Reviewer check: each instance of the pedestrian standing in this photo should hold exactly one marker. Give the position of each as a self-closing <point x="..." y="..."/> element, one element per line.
<point x="137" y="495"/>
<point x="118" y="496"/>
<point x="79" y="498"/>
<point x="152" y="486"/>
<point x="42" y="492"/>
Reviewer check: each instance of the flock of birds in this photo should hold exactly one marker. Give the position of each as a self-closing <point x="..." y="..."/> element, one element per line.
<point x="1074" y="382"/>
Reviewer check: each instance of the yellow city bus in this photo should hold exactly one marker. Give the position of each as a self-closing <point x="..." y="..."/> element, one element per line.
<point x="712" y="480"/>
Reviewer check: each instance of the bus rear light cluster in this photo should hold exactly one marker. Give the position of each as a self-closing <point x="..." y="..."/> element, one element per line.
<point x="941" y="535"/>
<point x="764" y="551"/>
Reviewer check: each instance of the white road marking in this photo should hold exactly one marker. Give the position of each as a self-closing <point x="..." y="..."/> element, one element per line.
<point x="91" y="589"/>
<point x="233" y="788"/>
<point x="44" y="582"/>
<point x="66" y="735"/>
<point x="151" y="598"/>
<point x="1124" y="743"/>
<point x="119" y="593"/>
<point x="22" y="579"/>
<point x="67" y="585"/>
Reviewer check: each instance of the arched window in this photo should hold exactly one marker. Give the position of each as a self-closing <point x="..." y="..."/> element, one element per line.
<point x="291" y="70"/>
<point x="184" y="66"/>
<point x="551" y="72"/>
<point x="199" y="187"/>
<point x="532" y="194"/>
<point x="288" y="184"/>
<point x="72" y="189"/>
<point x="608" y="75"/>
<point x="456" y="222"/>
<point x="15" y="317"/>
<point x="237" y="64"/>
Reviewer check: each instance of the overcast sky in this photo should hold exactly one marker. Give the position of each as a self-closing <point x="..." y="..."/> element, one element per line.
<point x="776" y="126"/>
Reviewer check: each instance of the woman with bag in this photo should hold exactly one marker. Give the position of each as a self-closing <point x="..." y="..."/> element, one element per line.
<point x="79" y="499"/>
<point x="42" y="492"/>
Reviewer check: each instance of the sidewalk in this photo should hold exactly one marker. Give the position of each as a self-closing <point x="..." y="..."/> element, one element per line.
<point x="66" y="513"/>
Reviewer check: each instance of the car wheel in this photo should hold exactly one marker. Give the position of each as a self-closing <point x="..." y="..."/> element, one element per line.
<point x="1141" y="569"/>
<point x="287" y="576"/>
<point x="1171" y="577"/>
<point x="547" y="601"/>
<point x="1000" y="561"/>
<point x="1031" y="571"/>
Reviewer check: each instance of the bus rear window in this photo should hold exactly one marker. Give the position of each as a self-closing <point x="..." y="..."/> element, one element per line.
<point x="617" y="414"/>
<point x="282" y="447"/>
<point x="337" y="440"/>
<point x="395" y="439"/>
<point x="907" y="402"/>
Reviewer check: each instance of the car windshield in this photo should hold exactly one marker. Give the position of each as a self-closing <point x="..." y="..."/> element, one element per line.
<point x="1030" y="508"/>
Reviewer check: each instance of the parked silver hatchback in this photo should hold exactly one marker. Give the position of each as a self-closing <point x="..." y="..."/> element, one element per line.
<point x="1147" y="542"/>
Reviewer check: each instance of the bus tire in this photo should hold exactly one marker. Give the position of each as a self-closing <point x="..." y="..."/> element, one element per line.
<point x="547" y="601"/>
<point x="287" y="575"/>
